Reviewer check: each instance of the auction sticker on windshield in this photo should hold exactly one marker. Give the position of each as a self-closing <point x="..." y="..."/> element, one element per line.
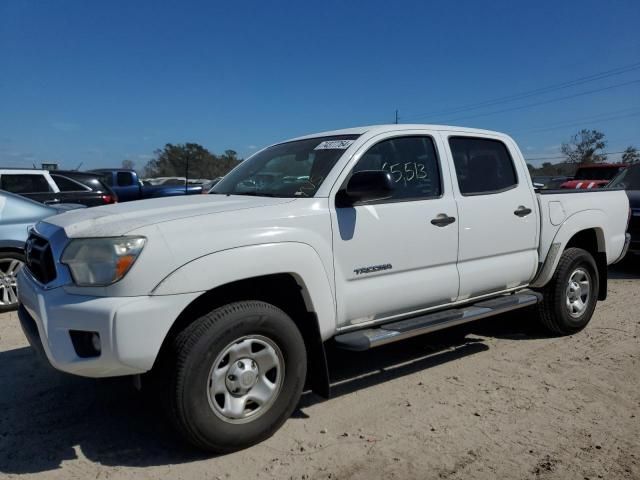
<point x="334" y="145"/>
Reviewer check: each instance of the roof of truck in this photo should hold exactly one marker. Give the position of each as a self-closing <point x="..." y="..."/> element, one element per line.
<point x="396" y="127"/>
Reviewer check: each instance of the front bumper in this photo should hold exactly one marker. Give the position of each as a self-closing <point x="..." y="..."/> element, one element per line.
<point x="131" y="329"/>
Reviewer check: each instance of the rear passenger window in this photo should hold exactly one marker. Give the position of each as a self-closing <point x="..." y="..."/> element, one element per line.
<point x="124" y="179"/>
<point x="482" y="165"/>
<point x="67" y="185"/>
<point x="20" y="184"/>
<point x="412" y="163"/>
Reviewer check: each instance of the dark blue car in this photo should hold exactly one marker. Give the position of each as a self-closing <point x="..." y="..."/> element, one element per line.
<point x="127" y="186"/>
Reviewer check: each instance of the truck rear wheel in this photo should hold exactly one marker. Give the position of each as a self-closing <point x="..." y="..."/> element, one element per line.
<point x="570" y="297"/>
<point x="235" y="376"/>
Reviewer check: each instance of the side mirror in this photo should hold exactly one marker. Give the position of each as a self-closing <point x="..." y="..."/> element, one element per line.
<point x="368" y="185"/>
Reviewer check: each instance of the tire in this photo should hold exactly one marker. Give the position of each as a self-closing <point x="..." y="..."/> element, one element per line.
<point x="560" y="311"/>
<point x="236" y="344"/>
<point x="10" y="264"/>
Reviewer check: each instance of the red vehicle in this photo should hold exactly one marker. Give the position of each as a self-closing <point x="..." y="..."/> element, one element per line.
<point x="596" y="175"/>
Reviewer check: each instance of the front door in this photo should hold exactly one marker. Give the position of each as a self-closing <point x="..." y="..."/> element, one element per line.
<point x="397" y="256"/>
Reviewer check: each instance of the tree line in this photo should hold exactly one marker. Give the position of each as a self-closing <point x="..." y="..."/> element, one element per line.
<point x="584" y="148"/>
<point x="187" y="160"/>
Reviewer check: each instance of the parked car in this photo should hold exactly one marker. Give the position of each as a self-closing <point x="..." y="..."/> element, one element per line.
<point x="17" y="214"/>
<point x="629" y="179"/>
<point x="387" y="232"/>
<point x="594" y="176"/>
<point x="128" y="186"/>
<point x="59" y="186"/>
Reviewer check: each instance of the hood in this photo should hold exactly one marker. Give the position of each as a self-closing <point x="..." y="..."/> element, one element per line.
<point x="120" y="218"/>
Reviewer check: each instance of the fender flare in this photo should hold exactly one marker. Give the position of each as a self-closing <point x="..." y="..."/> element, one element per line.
<point x="226" y="266"/>
<point x="584" y="220"/>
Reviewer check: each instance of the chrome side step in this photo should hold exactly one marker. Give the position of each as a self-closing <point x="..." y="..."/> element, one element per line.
<point x="365" y="339"/>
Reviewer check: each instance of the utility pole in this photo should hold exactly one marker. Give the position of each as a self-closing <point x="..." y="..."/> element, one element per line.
<point x="396" y="116"/>
<point x="186" y="176"/>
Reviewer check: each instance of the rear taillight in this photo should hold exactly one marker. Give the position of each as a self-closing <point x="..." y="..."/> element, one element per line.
<point x="108" y="199"/>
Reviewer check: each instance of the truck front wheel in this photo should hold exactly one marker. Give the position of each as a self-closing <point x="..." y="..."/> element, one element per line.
<point x="235" y="376"/>
<point x="570" y="297"/>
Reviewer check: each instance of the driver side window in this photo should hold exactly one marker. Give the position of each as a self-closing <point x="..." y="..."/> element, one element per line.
<point x="412" y="163"/>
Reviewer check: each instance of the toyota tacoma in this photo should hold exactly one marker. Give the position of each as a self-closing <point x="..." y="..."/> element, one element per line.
<point x="362" y="237"/>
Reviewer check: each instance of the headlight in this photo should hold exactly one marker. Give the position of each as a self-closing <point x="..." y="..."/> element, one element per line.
<point x="101" y="261"/>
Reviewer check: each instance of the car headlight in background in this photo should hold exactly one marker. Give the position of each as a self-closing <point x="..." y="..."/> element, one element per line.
<point x="101" y="261"/>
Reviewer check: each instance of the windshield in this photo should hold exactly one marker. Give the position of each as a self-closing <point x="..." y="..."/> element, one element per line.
<point x="292" y="169"/>
<point x="596" y="173"/>
<point x="628" y="179"/>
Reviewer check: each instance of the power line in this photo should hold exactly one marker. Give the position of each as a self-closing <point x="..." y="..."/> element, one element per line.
<point x="615" y="115"/>
<point x="535" y="92"/>
<point x="563" y="156"/>
<point x="545" y="102"/>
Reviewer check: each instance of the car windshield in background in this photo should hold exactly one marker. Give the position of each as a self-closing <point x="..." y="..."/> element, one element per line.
<point x="628" y="179"/>
<point x="292" y="169"/>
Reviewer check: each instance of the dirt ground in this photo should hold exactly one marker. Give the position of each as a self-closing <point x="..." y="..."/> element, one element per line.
<point x="494" y="399"/>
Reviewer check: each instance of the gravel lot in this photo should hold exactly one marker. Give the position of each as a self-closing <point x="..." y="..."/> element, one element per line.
<point x="494" y="399"/>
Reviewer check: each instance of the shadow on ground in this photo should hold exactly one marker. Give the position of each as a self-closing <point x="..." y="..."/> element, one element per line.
<point x="627" y="269"/>
<point x="47" y="417"/>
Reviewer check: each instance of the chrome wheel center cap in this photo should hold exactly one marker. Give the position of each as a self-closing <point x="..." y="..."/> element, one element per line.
<point x="242" y="376"/>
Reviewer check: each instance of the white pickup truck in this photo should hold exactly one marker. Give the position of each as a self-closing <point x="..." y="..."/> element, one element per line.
<point x="362" y="237"/>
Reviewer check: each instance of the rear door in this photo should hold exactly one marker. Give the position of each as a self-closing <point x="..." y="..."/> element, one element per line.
<point x="497" y="212"/>
<point x="397" y="256"/>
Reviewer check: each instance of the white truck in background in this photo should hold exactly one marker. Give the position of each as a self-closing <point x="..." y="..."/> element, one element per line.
<point x="362" y="237"/>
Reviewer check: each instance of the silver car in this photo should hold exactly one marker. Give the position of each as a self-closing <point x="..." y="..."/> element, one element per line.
<point x="17" y="215"/>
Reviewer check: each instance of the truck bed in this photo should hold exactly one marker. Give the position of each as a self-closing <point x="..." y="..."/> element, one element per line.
<point x="557" y="207"/>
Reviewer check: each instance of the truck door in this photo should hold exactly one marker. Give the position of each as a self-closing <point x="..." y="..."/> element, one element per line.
<point x="126" y="186"/>
<point x="498" y="216"/>
<point x="397" y="256"/>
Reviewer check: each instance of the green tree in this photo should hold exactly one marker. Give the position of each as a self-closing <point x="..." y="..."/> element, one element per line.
<point x="631" y="155"/>
<point x="173" y="160"/>
<point x="585" y="147"/>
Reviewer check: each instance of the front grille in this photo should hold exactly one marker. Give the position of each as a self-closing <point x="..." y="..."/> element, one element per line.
<point x="39" y="259"/>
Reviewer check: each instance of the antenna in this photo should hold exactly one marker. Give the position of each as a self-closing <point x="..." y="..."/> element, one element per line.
<point x="396" y="116"/>
<point x="78" y="167"/>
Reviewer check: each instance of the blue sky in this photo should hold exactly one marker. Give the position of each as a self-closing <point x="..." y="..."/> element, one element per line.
<point x="98" y="82"/>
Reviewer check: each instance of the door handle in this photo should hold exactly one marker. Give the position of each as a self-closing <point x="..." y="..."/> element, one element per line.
<point x="522" y="211"/>
<point x="442" y="220"/>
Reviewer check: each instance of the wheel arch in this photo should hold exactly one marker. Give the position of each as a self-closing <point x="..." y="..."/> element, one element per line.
<point x="288" y="275"/>
<point x="583" y="230"/>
